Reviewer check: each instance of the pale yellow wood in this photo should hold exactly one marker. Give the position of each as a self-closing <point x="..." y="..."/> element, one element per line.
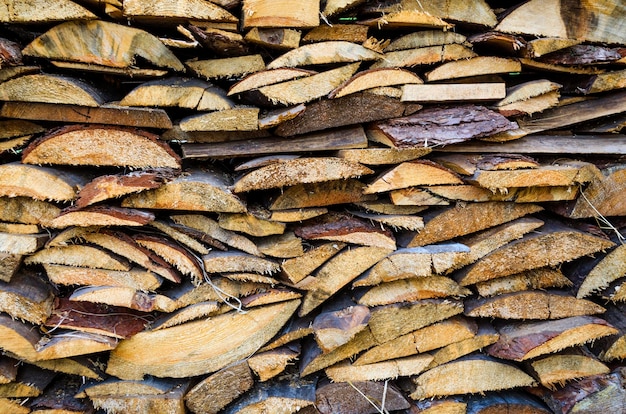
<point x="281" y="13"/>
<point x="274" y="38"/>
<point x="371" y="78"/>
<point x="50" y="88"/>
<point x="234" y="261"/>
<point x="542" y="46"/>
<point x="42" y="11"/>
<point x="250" y="224"/>
<point x="267" y="77"/>
<point x="424" y="56"/>
<point x="610" y="268"/>
<point x="425" y="38"/>
<point x="40" y="183"/>
<point x="78" y="255"/>
<point x="333" y="7"/>
<point x="324" y="53"/>
<point x="453" y="92"/>
<point x="401" y="367"/>
<point x="527" y="90"/>
<point x="136" y="278"/>
<point x="412" y="173"/>
<point x="187" y="9"/>
<point x="199" y="347"/>
<point x="125" y="297"/>
<point x="235" y="119"/>
<point x="227" y="67"/>
<point x="68" y="345"/>
<point x="479" y="65"/>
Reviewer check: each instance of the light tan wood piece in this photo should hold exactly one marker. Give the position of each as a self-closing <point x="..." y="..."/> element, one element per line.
<point x="50" y="88"/>
<point x="124" y="297"/>
<point x="98" y="146"/>
<point x="233" y="67"/>
<point x="453" y="92"/>
<point x="192" y="347"/>
<point x="137" y="279"/>
<point x="412" y="173"/>
<point x="542" y="278"/>
<point x="424" y="56"/>
<point x="189" y="9"/>
<point x="378" y="371"/>
<point x="268" y="77"/>
<point x="78" y="255"/>
<point x="250" y="224"/>
<point x="542" y="46"/>
<point x="102" y="44"/>
<point x="485" y="336"/>
<point x="196" y="190"/>
<point x="274" y="38"/>
<point x="324" y="53"/>
<point x="235" y="119"/>
<point x="412" y="289"/>
<point x="44" y="12"/>
<point x="234" y="261"/>
<point x="476" y="66"/>
<point x="354" y="33"/>
<point x="297" y="268"/>
<point x="21" y="244"/>
<point x="273" y="13"/>
<point x="102" y="216"/>
<point x="27" y="297"/>
<point x="563" y="367"/>
<point x="426" y="38"/>
<point x="477" y="374"/>
<point x="325" y="193"/>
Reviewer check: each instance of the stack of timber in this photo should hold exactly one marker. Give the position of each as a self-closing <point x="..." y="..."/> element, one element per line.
<point x="335" y="206"/>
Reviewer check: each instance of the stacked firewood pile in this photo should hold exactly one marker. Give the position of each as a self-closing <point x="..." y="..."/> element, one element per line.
<point x="255" y="206"/>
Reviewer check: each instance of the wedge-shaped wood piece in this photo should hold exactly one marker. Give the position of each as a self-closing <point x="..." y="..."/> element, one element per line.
<point x="422" y="340"/>
<point x="484" y="242"/>
<point x="613" y="347"/>
<point x="40" y="183"/>
<point x="124" y="245"/>
<point x="233" y="261"/>
<point x="551" y="245"/>
<point x="219" y="389"/>
<point x="135" y="278"/>
<point x="103" y="44"/>
<point x="346" y="398"/>
<point x="78" y="255"/>
<point x="176" y="233"/>
<point x="338" y="323"/>
<point x="216" y="288"/>
<point x="337" y="272"/>
<point x="602" y="82"/>
<point x="530" y="106"/>
<point x="445" y="224"/>
<point x="608" y="269"/>
<point x="188" y="313"/>
<point x="546" y="175"/>
<point x="391" y="321"/>
<point x="171" y="401"/>
<point x="109" y="114"/>
<point x="277" y="38"/>
<point x="527" y="90"/>
<point x="433" y="126"/>
<point x="596" y="24"/>
<point x="19" y="339"/>
<point x="115" y="387"/>
<point x="541" y="278"/>
<point x="79" y="366"/>
<point x="566" y="366"/>
<point x="197" y="190"/>
<point x="413" y="173"/>
<point x="395" y="221"/>
<point x="189" y="9"/>
<point x="476" y="66"/>
<point x="326" y="193"/>
<point x="102" y="216"/>
<point x="299" y="171"/>
<point x="544" y="45"/>
<point x="475" y="374"/>
<point x="27" y="210"/>
<point x="53" y="89"/>
<point x="250" y="224"/>
<point x="26" y="297"/>
<point x="522" y="341"/>
<point x="409" y="17"/>
<point x="124" y="297"/>
<point x="329" y="140"/>
<point x="306" y="89"/>
<point x="9" y="265"/>
<point x="408" y="263"/>
<point x="297" y="268"/>
<point x="531" y="305"/>
<point x="485" y="336"/>
<point x="106" y="187"/>
<point x="263" y="13"/>
<point x="286" y="395"/>
<point x="172" y="253"/>
<point x="232" y="67"/>
<point x="235" y="119"/>
<point x="20" y="11"/>
<point x="372" y="78"/>
<point x="453" y="92"/>
<point x="400" y="367"/>
<point x="101" y="319"/>
<point x="475" y="12"/>
<point x="383" y="156"/>
<point x="67" y="346"/>
<point x="178" y="92"/>
<point x="346" y="228"/>
<point x="99" y="146"/>
<point x="354" y="33"/>
<point x="268" y="77"/>
<point x="412" y="289"/>
<point x="603" y="392"/>
<point x="193" y="348"/>
<point x="20" y="244"/>
<point x="324" y="53"/>
<point x="269" y="364"/>
<point x="330" y="113"/>
<point x="211" y="228"/>
<point x="420" y="56"/>
<point x="425" y="38"/>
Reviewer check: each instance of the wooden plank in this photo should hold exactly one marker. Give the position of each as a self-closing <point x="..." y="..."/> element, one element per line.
<point x="453" y="92"/>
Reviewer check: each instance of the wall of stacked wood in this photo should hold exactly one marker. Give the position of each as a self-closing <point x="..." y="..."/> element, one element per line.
<point x="301" y="206"/>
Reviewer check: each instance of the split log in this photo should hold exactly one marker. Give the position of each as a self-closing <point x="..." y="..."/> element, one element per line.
<point x="52" y="89"/>
<point x="522" y="341"/>
<point x="196" y="190"/>
<point x="68" y="344"/>
<point x="541" y="278"/>
<point x="233" y="119"/>
<point x="425" y="38"/>
<point x="27" y="210"/>
<point x="10" y="264"/>
<point x="268" y="77"/>
<point x="269" y="364"/>
<point x="171" y="401"/>
<point x="188" y="313"/>
<point x="423" y="56"/>
<point x="109" y="114"/>
<point x="173" y="254"/>
<point x="395" y="221"/>
<point x="373" y="78"/>
<point x="263" y="13"/>
<point x="79" y="255"/>
<point x="544" y="45"/>
<point x="587" y="22"/>
<point x="30" y="382"/>
<point x="232" y="67"/>
<point x="277" y="38"/>
<point x="93" y="145"/>
<point x="221" y="42"/>
<point x="216" y="391"/>
<point x="102" y="215"/>
<point x="250" y="224"/>
<point x="208" y="355"/>
<point x="383" y="156"/>
<point x="442" y="126"/>
<point x="613" y="347"/>
<point x="26" y="297"/>
<point x="466" y="375"/>
<point x="475" y="66"/>
<point x="326" y="193"/>
<point x="400" y="367"/>
<point x="347" y="398"/>
<point x="21" y="244"/>
<point x="83" y="42"/>
<point x="428" y="338"/>
<point x="445" y="224"/>
<point x="324" y="53"/>
<point x="339" y="323"/>
<point x="234" y="261"/>
<point x="354" y="33"/>
<point x="566" y="366"/>
<point x="40" y="183"/>
<point x="296" y="269"/>
<point x="307" y="170"/>
<point x="412" y="173"/>
<point x="531" y="305"/>
<point x="120" y="296"/>
<point x="412" y="289"/>
<point x="485" y="335"/>
<point x="43" y="12"/>
<point x="324" y="114"/>
<point x="453" y="92"/>
<point x="550" y="246"/>
<point x="162" y="9"/>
